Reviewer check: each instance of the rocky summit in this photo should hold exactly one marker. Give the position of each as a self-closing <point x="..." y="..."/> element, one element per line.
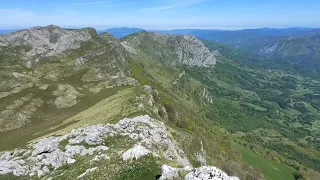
<point x="45" y="41"/>
<point x="147" y="137"/>
<point x="186" y="50"/>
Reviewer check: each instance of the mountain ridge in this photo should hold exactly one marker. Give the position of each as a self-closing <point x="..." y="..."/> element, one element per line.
<point x="300" y="55"/>
<point x="188" y="50"/>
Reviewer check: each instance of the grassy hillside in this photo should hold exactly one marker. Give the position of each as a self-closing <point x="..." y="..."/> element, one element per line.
<point x="271" y="170"/>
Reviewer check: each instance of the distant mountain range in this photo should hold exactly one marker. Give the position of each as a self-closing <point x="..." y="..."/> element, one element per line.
<point x="297" y="47"/>
<point x="208" y="33"/>
<point x="7" y="31"/>
<point x="221" y="35"/>
<point x="121" y="32"/>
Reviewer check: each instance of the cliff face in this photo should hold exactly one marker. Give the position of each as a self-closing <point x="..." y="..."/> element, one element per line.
<point x="171" y="50"/>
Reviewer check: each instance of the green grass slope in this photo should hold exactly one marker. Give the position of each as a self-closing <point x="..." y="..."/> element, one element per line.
<point x="271" y="170"/>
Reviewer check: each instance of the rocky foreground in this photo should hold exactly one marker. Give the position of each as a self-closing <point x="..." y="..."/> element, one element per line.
<point x="144" y="137"/>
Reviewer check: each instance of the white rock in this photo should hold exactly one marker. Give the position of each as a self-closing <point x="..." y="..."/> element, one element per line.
<point x="135" y="153"/>
<point x="81" y="150"/>
<point x="87" y="172"/>
<point x="101" y="157"/>
<point x="34" y="170"/>
<point x="201" y="156"/>
<point x="92" y="135"/>
<point x="73" y="150"/>
<point x="140" y="106"/>
<point x="4" y="170"/>
<point x="8" y="164"/>
<point x="56" y="159"/>
<point x="45" y="170"/>
<point x="148" y="88"/>
<point x="134" y="136"/>
<point x="169" y="173"/>
<point x="46" y="146"/>
<point x="71" y="161"/>
<point x="151" y="137"/>
<point x="207" y="173"/>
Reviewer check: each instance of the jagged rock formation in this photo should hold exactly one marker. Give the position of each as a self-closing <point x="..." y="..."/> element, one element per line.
<point x="206" y="172"/>
<point x="147" y="134"/>
<point x="150" y="137"/>
<point x="46" y="41"/>
<point x="202" y="173"/>
<point x="171" y="50"/>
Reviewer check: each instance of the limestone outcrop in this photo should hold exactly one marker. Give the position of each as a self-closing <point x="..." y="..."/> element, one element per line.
<point x="150" y="137"/>
<point x="171" y="50"/>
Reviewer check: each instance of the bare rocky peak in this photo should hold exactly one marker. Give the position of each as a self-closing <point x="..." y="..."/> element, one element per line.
<point x="192" y="51"/>
<point x="186" y="49"/>
<point x="50" y="37"/>
<point x="46" y="41"/>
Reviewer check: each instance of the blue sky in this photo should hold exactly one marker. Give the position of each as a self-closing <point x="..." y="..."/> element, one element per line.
<point x="160" y="14"/>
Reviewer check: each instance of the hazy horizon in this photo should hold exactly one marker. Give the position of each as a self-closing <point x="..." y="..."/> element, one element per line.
<point x="161" y="14"/>
<point x="191" y="28"/>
